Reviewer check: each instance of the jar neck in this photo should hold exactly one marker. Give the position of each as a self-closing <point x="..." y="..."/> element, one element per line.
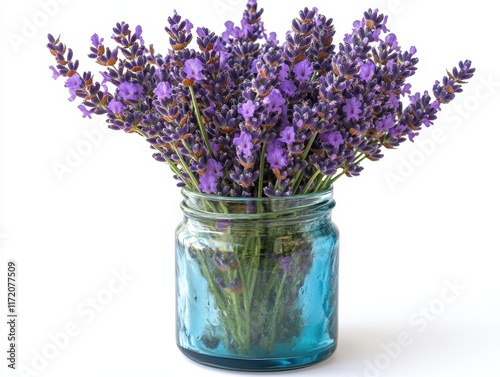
<point x="201" y="207"/>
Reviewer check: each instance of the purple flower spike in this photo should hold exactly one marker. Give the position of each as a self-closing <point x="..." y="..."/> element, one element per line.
<point x="193" y="69"/>
<point x="225" y="261"/>
<point x="215" y="147"/>
<point x="242" y="115"/>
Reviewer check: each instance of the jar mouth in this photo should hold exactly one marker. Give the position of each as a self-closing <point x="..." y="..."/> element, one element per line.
<point x="207" y="206"/>
<point x="185" y="192"/>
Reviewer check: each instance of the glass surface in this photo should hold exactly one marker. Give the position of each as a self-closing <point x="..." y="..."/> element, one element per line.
<point x="257" y="281"/>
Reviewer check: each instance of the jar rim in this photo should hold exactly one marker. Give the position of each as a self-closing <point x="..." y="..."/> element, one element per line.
<point x="210" y="207"/>
<point x="186" y="192"/>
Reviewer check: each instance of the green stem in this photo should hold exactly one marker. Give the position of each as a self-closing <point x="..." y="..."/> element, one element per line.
<point x="321" y="184"/>
<point x="331" y="180"/>
<point x="245" y="273"/>
<point x="296" y="184"/>
<point x="172" y="165"/>
<point x="192" y="155"/>
<point x="219" y="300"/>
<point x="309" y="145"/>
<point x="176" y="170"/>
<point x="299" y="174"/>
<point x="201" y="125"/>
<point x="311" y="180"/>
<point x="271" y="282"/>
<point x="254" y="264"/>
<point x="357" y="160"/>
<point x="244" y="281"/>
<point x="185" y="167"/>
<point x="277" y="307"/>
<point x="261" y="169"/>
<point x="244" y="346"/>
<point x="232" y="302"/>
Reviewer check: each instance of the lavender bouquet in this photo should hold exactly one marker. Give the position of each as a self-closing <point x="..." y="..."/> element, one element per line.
<point x="244" y="115"/>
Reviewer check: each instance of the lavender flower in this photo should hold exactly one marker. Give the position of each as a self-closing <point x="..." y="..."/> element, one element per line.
<point x="303" y="70"/>
<point x="96" y="41"/>
<point x="247" y="110"/>
<point x="235" y="286"/>
<point x="214" y="168"/>
<point x="244" y="144"/>
<point x="86" y="113"/>
<point x="244" y="115"/>
<point x="55" y="72"/>
<point x="288" y="87"/>
<point x="287" y="135"/>
<point x="275" y="156"/>
<point x="163" y="90"/>
<point x="208" y="184"/>
<point x="367" y="70"/>
<point x="384" y="124"/>
<point x="334" y="138"/>
<point x="274" y="101"/>
<point x="115" y="106"/>
<point x="193" y="69"/>
<point x="73" y="83"/>
<point x="352" y="109"/>
<point x="276" y="159"/>
<point x="129" y="91"/>
<point x="285" y="263"/>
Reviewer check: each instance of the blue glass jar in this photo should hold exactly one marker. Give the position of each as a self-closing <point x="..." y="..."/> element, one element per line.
<point x="257" y="281"/>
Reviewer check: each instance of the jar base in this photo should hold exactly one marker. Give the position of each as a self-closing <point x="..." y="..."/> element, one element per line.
<point x="258" y="365"/>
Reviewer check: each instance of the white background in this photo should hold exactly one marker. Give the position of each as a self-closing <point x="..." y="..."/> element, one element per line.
<point x="409" y="224"/>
